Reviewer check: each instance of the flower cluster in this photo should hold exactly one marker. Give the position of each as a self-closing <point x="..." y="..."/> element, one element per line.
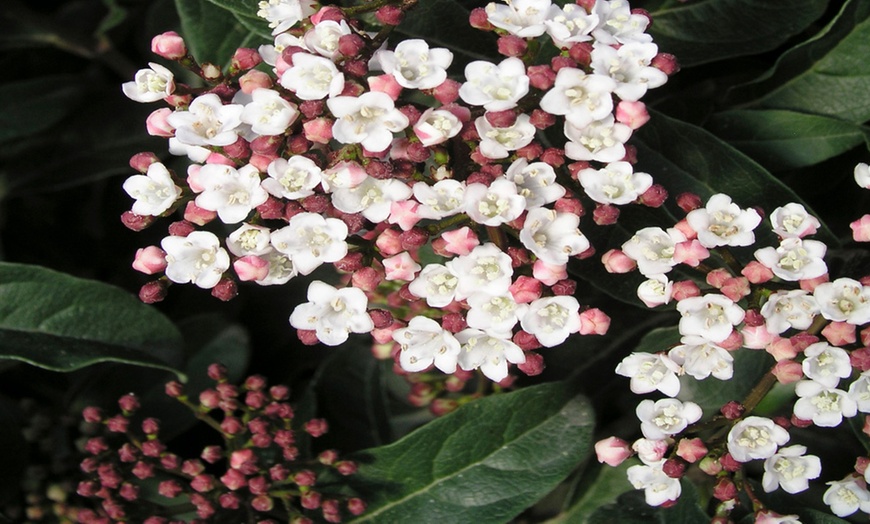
<point x="256" y="475"/>
<point x="449" y="209"/>
<point x="784" y="303"/>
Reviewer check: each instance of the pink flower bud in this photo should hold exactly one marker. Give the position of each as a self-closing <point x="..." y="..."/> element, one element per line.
<point x="329" y="456"/>
<point x="350" y="45"/>
<point x="581" y="53"/>
<point x="197" y="215"/>
<point x="839" y="333"/>
<point x="564" y="287"/>
<point x="558" y="62"/>
<point x="733" y="342"/>
<point x="757" y="273"/>
<point x="316" y="427"/>
<point x="262" y="503"/>
<point x="689" y="202"/>
<point x="150" y="260"/>
<point x="169" y="45"/>
<point x="254" y="79"/>
<point x="182" y="228"/>
<point x="128" y="403"/>
<point x="685" y="289"/>
<point x="305" y="478"/>
<point x="346" y="467"/>
<point x="809" y="284"/>
<point x="356" y="506"/>
<point x="118" y="424"/>
<point x="447" y="92"/>
<point x="549" y="274"/>
<point x="367" y="278"/>
<point x="511" y="45"/>
<point x="478" y="19"/>
<point x="860" y="359"/>
<point x="157" y="125"/>
<point x="128" y="492"/>
<point x="782" y="349"/>
<point x="525" y="289"/>
<point x="691" y="449"/>
<point x="244" y="59"/>
<point x="534" y="364"/>
<point x="632" y="114"/>
<point x="732" y="410"/>
<point x="735" y="288"/>
<point x="690" y="252"/>
<point x="788" y="371"/>
<point x="225" y="290"/>
<point x="318" y="130"/>
<point x="615" y="261"/>
<point x="666" y="62"/>
<point x="310" y="500"/>
<point x="593" y="321"/>
<point x="757" y="337"/>
<point x="674" y="468"/>
<point x="210" y="72"/>
<point x="710" y="466"/>
<point x="605" y="214"/>
<point x="612" y="451"/>
<point x="390" y="15"/>
<point x="170" y="488"/>
<point x="453" y="322"/>
<point x="716" y="277"/>
<point x="861" y="229"/>
<point x="92" y="414"/>
<point x="385" y="83"/>
<point x="389" y="242"/>
<point x="460" y="241"/>
<point x="251" y="267"/>
<point x="724" y="489"/>
<point x="526" y="341"/>
<point x="381" y="318"/>
<point x="728" y="463"/>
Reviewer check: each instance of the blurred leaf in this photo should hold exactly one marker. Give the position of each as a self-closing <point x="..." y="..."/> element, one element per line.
<point x="607" y="485"/>
<point x="828" y="74"/>
<point x="683" y="157"/>
<point x="780" y="139"/>
<point x="631" y="508"/>
<point x="658" y="340"/>
<point x="28" y="107"/>
<point x="63" y="323"/>
<point x="115" y="17"/>
<point x="702" y="32"/>
<point x="485" y="462"/>
<point x="213" y="32"/>
<point x="444" y="23"/>
<point x="13" y="458"/>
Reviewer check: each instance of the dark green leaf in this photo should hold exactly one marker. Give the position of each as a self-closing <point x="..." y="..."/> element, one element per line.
<point x="13" y="457"/>
<point x="213" y="32"/>
<point x="605" y="488"/>
<point x="116" y="16"/>
<point x="31" y="106"/>
<point x="444" y="23"/>
<point x="780" y="139"/>
<point x="485" y="462"/>
<point x="59" y="322"/>
<point x="659" y="340"/>
<point x="702" y="32"/>
<point x="684" y="157"/>
<point x="631" y="508"/>
<point x="827" y="75"/>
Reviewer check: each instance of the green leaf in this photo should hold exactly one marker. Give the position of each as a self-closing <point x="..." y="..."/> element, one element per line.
<point x="684" y="157"/>
<point x="780" y="139"/>
<point x="213" y="32"/>
<point x="826" y="75"/>
<point x="609" y="483"/>
<point x="116" y="16"/>
<point x="485" y="462"/>
<point x="631" y="508"/>
<point x="444" y="23"/>
<point x="32" y="106"/>
<point x="702" y="32"/>
<point x="63" y="323"/>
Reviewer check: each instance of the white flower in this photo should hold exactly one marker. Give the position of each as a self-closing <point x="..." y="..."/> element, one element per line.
<point x="414" y="65"/>
<point x="552" y="319"/>
<point x="630" y="67"/>
<point x="710" y="316"/>
<point x="313" y="77"/>
<point x="602" y="140"/>
<point x="655" y="291"/>
<point x="284" y="14"/>
<point x="657" y="486"/>
<point x="443" y="199"/>
<point x="536" y="182"/>
<point x="615" y="184"/>
<point x="793" y="221"/>
<point x="493" y="205"/>
<point x="649" y="451"/>
<point x="653" y="249"/>
<point x="310" y="240"/>
<point x="372" y="197"/>
<point x="486" y="269"/>
<point x="155" y="191"/>
<point x="791" y="469"/>
<point x="150" y="85"/>
<point x="666" y="417"/>
<point x="789" y="309"/>
<point x="699" y="358"/>
<point x="570" y="24"/>
<point x="207" y="122"/>
<point x="495" y="87"/>
<point x="755" y="438"/>
<point x="552" y="236"/>
<point x="649" y="372"/>
<point x="844" y="300"/>
<point x="490" y="354"/>
<point x="826" y="364"/>
<point x="271" y="53"/>
<point x="436" y="283"/>
<point x="617" y="24"/>
<point x="232" y="193"/>
<point x="196" y="258"/>
<point x="323" y="38"/>
<point x="825" y="406"/>
<point x="497" y="142"/>
<point x="847" y="496"/>
<point x="425" y="342"/>
<point x="436" y="126"/>
<point x="342" y="175"/>
<point x="196" y="154"/>
<point x="795" y="259"/>
<point x="523" y="18"/>
<point x="269" y="114"/>
<point x="862" y="175"/>
<point x="859" y="391"/>
<point x="722" y="223"/>
<point x="370" y="120"/>
<point x="281" y="269"/>
<point x="497" y="315"/>
<point x="250" y="240"/>
<point x="333" y="313"/>
<point x="582" y="98"/>
<point x="294" y="178"/>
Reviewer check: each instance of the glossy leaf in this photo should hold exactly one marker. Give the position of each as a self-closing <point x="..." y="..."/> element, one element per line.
<point x="826" y="75"/>
<point x="780" y="139"/>
<point x="631" y="508"/>
<point x="607" y="485"/>
<point x="213" y="32"/>
<point x="702" y="32"/>
<point x="63" y="323"/>
<point x="485" y="462"/>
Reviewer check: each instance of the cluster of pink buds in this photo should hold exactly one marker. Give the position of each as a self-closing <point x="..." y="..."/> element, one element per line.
<point x="815" y="330"/>
<point x="257" y="475"/>
<point x="437" y="195"/>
